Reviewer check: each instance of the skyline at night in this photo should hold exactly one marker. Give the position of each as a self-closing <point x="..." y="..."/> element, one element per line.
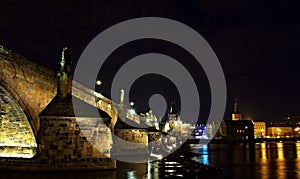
<point x="149" y="89"/>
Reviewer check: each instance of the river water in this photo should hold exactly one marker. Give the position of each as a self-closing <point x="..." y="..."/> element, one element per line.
<point x="260" y="160"/>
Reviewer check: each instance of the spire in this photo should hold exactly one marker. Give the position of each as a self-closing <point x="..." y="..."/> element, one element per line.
<point x="172" y="108"/>
<point x="236" y="115"/>
<point x="236" y="106"/>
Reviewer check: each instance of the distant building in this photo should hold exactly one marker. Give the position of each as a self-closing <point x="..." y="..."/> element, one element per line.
<point x="236" y="131"/>
<point x="176" y="126"/>
<point x="292" y="120"/>
<point x="260" y="129"/>
<point x="296" y="130"/>
<point x="239" y="130"/>
<point x="279" y="130"/>
<point x="222" y="131"/>
<point x="173" y="114"/>
<point x="200" y="131"/>
<point x="236" y="115"/>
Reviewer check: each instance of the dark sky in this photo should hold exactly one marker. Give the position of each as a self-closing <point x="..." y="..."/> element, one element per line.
<point x="257" y="44"/>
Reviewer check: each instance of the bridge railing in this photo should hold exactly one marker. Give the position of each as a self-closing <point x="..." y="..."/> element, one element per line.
<point x="96" y="99"/>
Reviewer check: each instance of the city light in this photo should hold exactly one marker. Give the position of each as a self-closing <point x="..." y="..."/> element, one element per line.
<point x="51" y="125"/>
<point x="98" y="82"/>
<point x="131" y="104"/>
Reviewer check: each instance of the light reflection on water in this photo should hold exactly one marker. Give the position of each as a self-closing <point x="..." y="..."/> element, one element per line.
<point x="203" y="150"/>
<point x="260" y="160"/>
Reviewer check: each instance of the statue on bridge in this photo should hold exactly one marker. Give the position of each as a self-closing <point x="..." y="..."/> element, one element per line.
<point x="63" y="61"/>
<point x="122" y="96"/>
<point x="65" y="75"/>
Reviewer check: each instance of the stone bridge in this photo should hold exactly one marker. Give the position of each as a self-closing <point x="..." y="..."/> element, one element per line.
<point x="32" y="87"/>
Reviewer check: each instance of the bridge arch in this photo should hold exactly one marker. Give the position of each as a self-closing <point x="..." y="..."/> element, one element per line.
<point x="16" y="135"/>
<point x="25" y="107"/>
<point x="32" y="85"/>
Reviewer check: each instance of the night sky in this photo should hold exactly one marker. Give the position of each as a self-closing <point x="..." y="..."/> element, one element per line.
<point x="257" y="44"/>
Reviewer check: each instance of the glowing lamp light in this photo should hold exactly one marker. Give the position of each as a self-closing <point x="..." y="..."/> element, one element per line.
<point x="131" y="104"/>
<point x="98" y="82"/>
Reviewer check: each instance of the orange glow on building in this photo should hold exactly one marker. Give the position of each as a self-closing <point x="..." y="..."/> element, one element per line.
<point x="236" y="116"/>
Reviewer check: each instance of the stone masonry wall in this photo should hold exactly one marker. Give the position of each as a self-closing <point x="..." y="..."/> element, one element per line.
<point x="131" y="141"/>
<point x="64" y="141"/>
<point x="16" y="136"/>
<point x="32" y="85"/>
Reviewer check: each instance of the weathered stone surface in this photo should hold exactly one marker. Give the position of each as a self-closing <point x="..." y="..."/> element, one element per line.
<point x="69" y="136"/>
<point x="16" y="136"/>
<point x="62" y="143"/>
<point x="32" y="85"/>
<point x="65" y="141"/>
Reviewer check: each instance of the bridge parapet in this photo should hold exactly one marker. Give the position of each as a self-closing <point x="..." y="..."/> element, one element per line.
<point x="96" y="99"/>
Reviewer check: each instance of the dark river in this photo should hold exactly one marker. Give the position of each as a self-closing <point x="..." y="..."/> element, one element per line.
<point x="260" y="160"/>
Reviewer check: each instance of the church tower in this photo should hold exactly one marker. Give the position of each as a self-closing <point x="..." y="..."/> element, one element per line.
<point x="173" y="114"/>
<point x="236" y="115"/>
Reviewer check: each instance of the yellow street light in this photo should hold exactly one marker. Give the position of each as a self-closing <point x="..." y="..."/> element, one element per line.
<point x="131" y="103"/>
<point x="98" y="82"/>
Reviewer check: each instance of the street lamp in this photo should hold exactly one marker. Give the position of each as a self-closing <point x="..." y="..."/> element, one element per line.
<point x="131" y="104"/>
<point x="98" y="82"/>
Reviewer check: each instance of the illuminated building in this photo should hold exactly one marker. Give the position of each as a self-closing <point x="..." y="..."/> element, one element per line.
<point x="236" y="115"/>
<point x="236" y="129"/>
<point x="279" y="130"/>
<point x="183" y="130"/>
<point x="296" y="130"/>
<point x="260" y="129"/>
<point x="200" y="131"/>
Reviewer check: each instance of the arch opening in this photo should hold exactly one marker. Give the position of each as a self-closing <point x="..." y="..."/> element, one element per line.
<point x="16" y="135"/>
